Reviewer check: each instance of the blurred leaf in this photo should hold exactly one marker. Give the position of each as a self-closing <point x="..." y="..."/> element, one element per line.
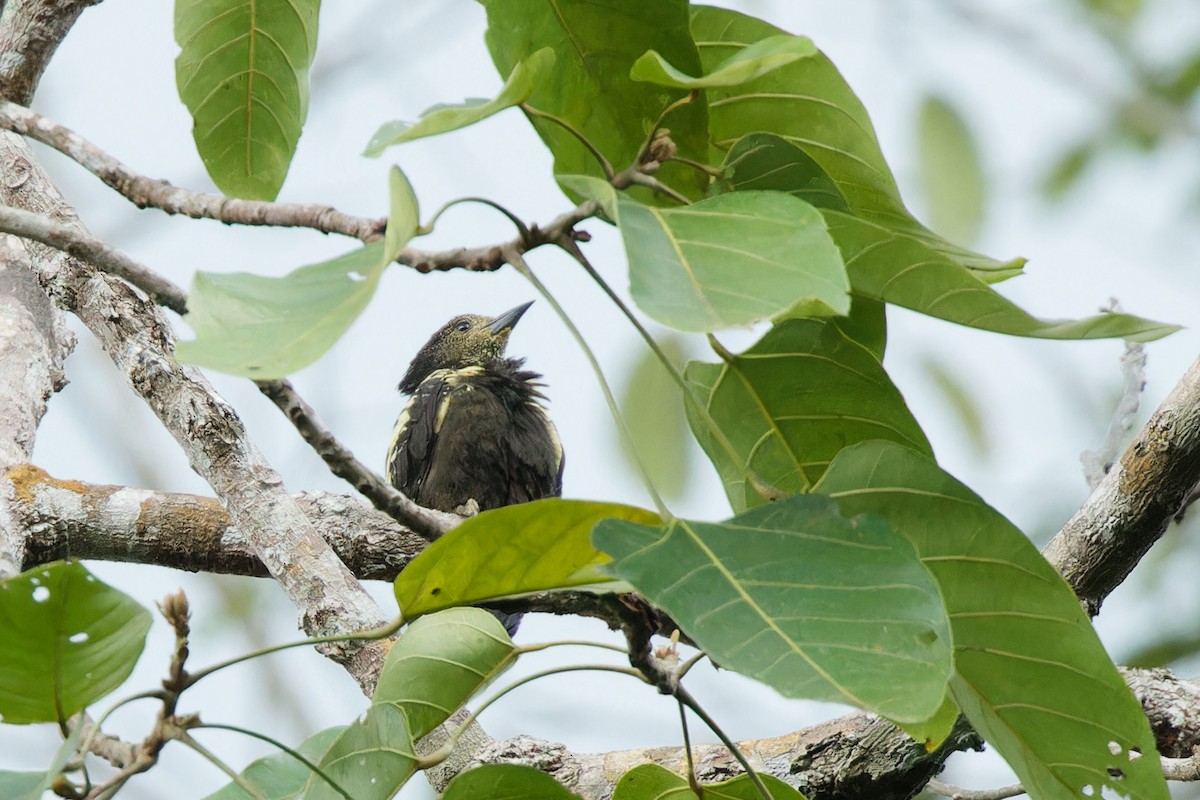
<point x="813" y="604"/>
<point x="404" y="215"/>
<point x="950" y="170"/>
<point x="242" y="71"/>
<point x="439" y="662"/>
<point x="808" y="105"/>
<point x="596" y="43"/>
<point x="280" y="776"/>
<point x="35" y="785"/>
<point x="1121" y="11"/>
<point x="652" y="782"/>
<point x="1065" y="173"/>
<point x="732" y="260"/>
<point x="370" y="760"/>
<point x="653" y="411"/>
<point x="963" y="403"/>
<point x="1029" y="670"/>
<point x="791" y="402"/>
<point x="511" y="551"/>
<point x="590" y="188"/>
<point x="764" y="161"/>
<point x="903" y="270"/>
<point x="1163" y="652"/>
<point x="444" y="118"/>
<point x="66" y="640"/>
<point x="748" y="63"/>
<point x="506" y="782"/>
<point x="267" y="328"/>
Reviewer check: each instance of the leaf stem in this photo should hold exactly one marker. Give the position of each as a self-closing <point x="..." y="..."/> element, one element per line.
<point x="296" y="754"/>
<point x="685" y="697"/>
<point x="513" y="257"/>
<point x="370" y="634"/>
<point x="535" y="648"/>
<point x="211" y="757"/>
<point x="605" y="164"/>
<point x="521" y="227"/>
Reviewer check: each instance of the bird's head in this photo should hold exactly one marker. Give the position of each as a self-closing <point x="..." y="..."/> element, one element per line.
<point x="468" y="340"/>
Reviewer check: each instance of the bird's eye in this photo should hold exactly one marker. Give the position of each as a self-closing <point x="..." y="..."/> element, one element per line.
<point x="463" y="325"/>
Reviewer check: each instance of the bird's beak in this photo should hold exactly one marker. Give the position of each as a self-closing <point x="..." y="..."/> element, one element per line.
<point x="508" y="319"/>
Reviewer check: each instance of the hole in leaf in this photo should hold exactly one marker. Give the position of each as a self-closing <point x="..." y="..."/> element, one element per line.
<point x="78" y="638"/>
<point x="41" y="594"/>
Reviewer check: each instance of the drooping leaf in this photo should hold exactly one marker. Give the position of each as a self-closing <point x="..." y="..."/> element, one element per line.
<point x="369" y="760"/>
<point x="809" y="105"/>
<point x="595" y="44"/>
<point x="951" y="171"/>
<point x="439" y="662"/>
<point x="281" y="776"/>
<point x="747" y="64"/>
<point x="814" y="604"/>
<point x="404" y="215"/>
<point x="1030" y="672"/>
<point x="510" y="551"/>
<point x="506" y="782"/>
<point x="653" y="412"/>
<point x="445" y="118"/>
<point x="66" y="640"/>
<point x="903" y="270"/>
<point x="243" y="73"/>
<point x="652" y="782"/>
<point x="732" y="260"/>
<point x="266" y="328"/>
<point x="788" y="404"/>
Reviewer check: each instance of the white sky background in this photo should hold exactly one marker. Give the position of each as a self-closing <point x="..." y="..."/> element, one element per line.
<point x="1129" y="230"/>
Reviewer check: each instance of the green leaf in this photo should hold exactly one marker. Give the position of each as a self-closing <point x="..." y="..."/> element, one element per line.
<point x="589" y="188"/>
<point x="809" y="105"/>
<point x="444" y="118"/>
<point x="732" y="260"/>
<point x="747" y="64"/>
<point x="951" y="174"/>
<point x="439" y="662"/>
<point x="510" y="551"/>
<point x="763" y="161"/>
<point x="787" y="405"/>
<point x="243" y="73"/>
<point x="266" y="328"/>
<point x="902" y="269"/>
<point x="281" y="776"/>
<point x="506" y="782"/>
<point x="34" y="785"/>
<point x="1030" y="672"/>
<point x="370" y="760"/>
<point x="66" y="640"/>
<point x="595" y="44"/>
<point x="652" y="782"/>
<point x="404" y="215"/>
<point x="653" y="412"/>
<point x="811" y="603"/>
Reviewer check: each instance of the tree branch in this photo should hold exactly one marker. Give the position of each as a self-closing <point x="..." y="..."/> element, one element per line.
<point x="30" y="32"/>
<point x="1131" y="508"/>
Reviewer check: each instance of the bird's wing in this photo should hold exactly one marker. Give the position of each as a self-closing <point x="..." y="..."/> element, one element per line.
<point x="415" y="435"/>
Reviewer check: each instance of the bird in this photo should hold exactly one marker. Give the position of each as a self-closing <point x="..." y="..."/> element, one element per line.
<point x="475" y="433"/>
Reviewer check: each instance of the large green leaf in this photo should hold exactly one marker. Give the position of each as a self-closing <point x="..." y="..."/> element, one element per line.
<point x="266" y="328"/>
<point x="66" y="640"/>
<point x="652" y="782"/>
<point x="809" y="104"/>
<point x="370" y="760"/>
<point x="787" y="405"/>
<point x="732" y="260"/>
<point x="445" y="118"/>
<point x="765" y="161"/>
<point x="951" y="173"/>
<point x="439" y="662"/>
<point x="812" y="603"/>
<point x="902" y="269"/>
<point x="281" y="776"/>
<point x="510" y="551"/>
<point x="506" y="782"/>
<point x="652" y="407"/>
<point x="243" y="73"/>
<point x="1030" y="673"/>
<point x="595" y="44"/>
<point x="751" y="62"/>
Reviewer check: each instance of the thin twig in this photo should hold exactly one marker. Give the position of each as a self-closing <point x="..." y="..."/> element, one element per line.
<point x="956" y="793"/>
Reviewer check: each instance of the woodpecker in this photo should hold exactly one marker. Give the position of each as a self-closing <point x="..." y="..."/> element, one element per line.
<point x="475" y="435"/>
